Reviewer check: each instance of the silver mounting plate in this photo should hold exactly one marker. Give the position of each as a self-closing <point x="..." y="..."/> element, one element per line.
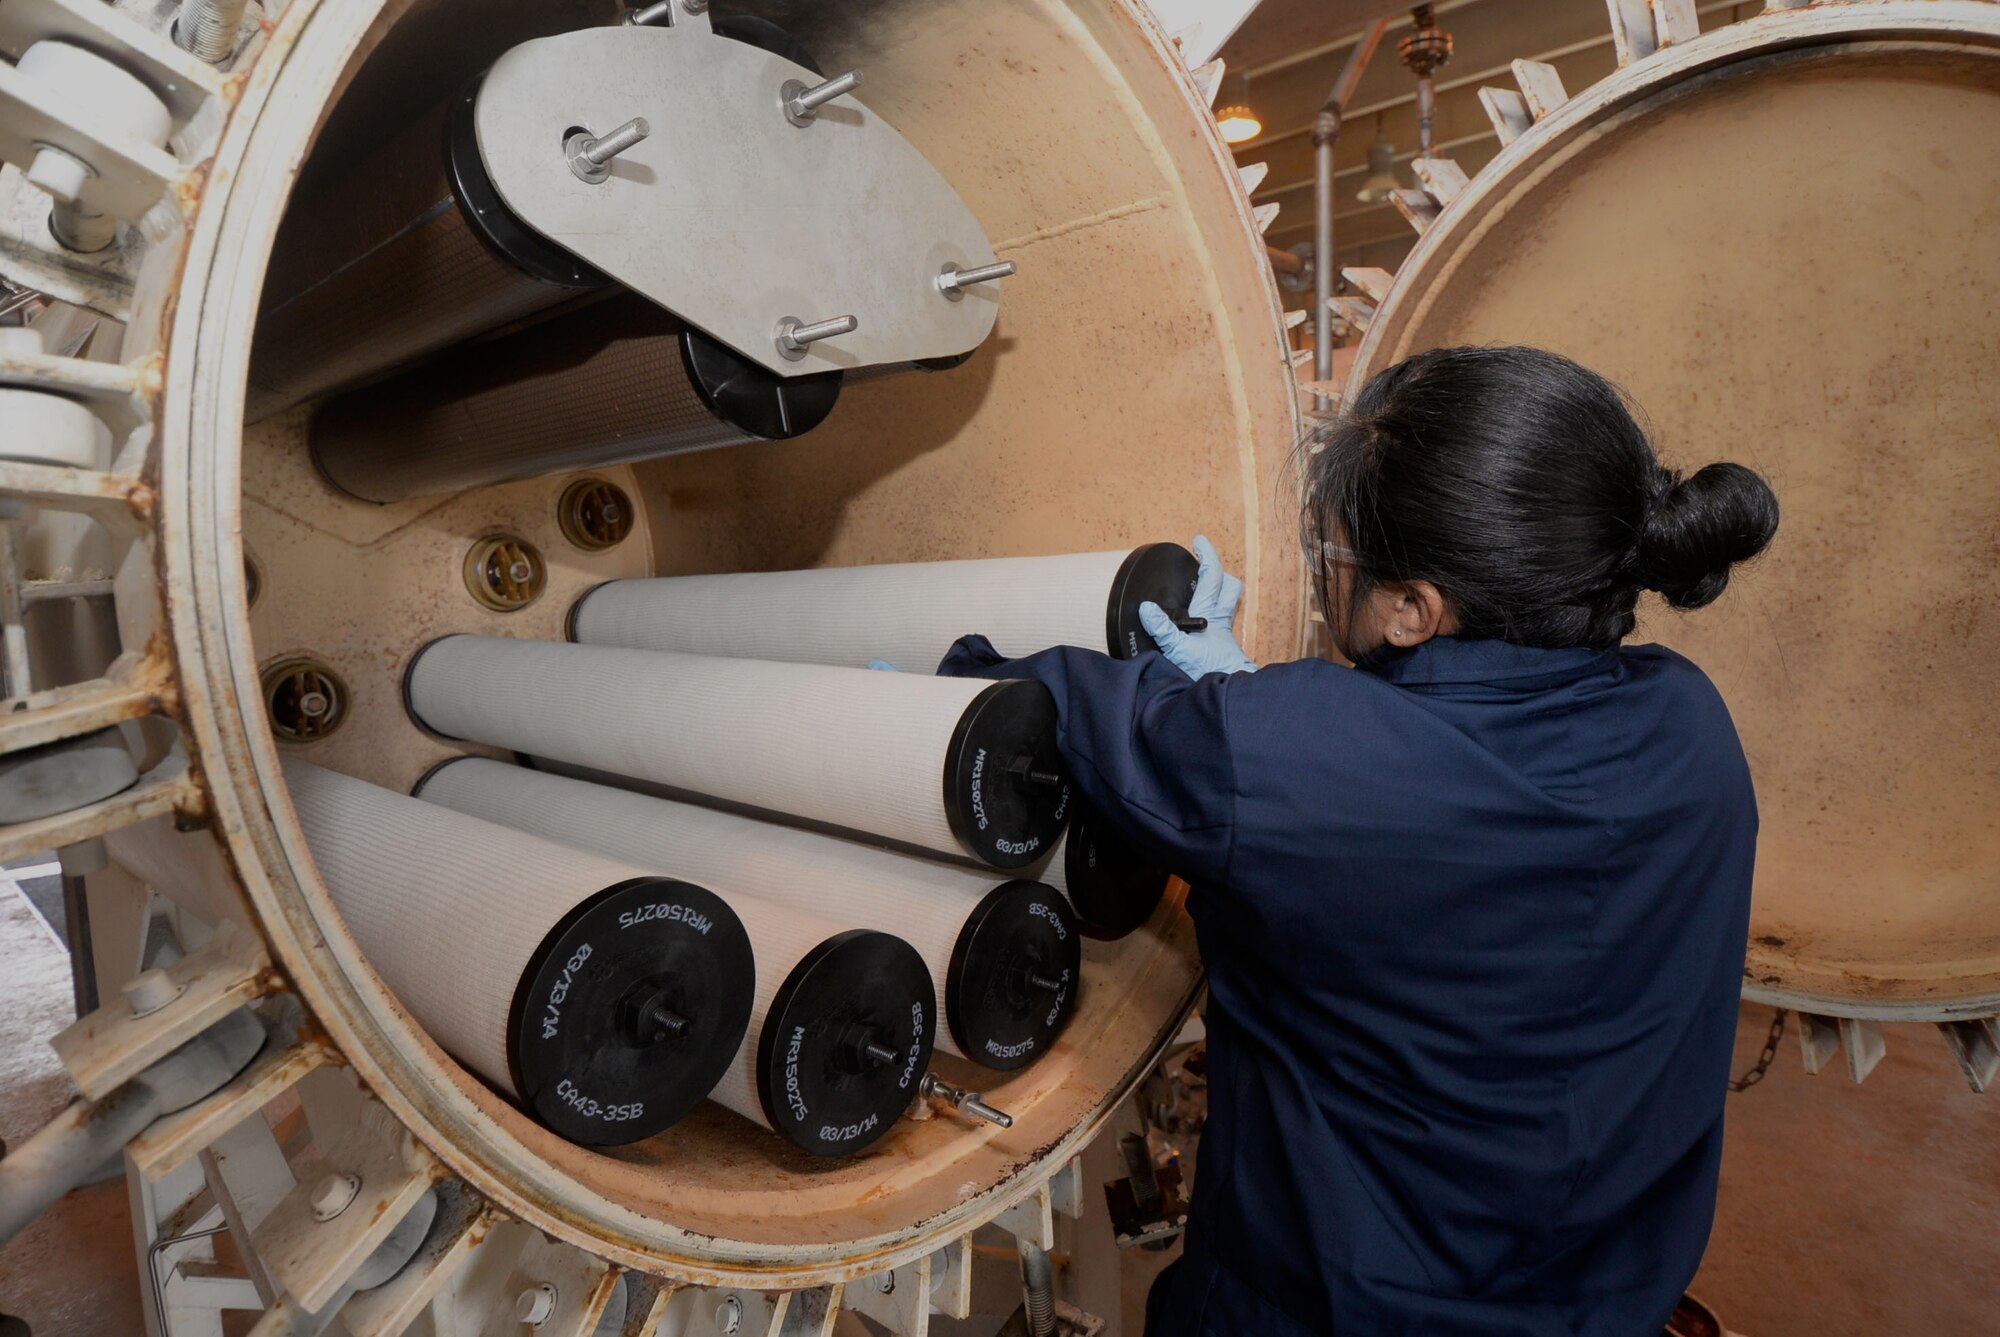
<point x="729" y="215"/>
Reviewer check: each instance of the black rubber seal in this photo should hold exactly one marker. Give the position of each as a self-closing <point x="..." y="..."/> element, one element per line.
<point x="818" y="1088"/>
<point x="409" y="706"/>
<point x="569" y="618"/>
<point x="583" y="1065"/>
<point x="1112" y="887"/>
<point x="488" y="215"/>
<point x="755" y="399"/>
<point x="417" y="789"/>
<point x="765" y="36"/>
<point x="1000" y="1016"/>
<point x="1161" y="573"/>
<point x="1001" y="816"/>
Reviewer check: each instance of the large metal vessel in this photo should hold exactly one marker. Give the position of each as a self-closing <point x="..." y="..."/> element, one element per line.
<point x="1138" y="385"/>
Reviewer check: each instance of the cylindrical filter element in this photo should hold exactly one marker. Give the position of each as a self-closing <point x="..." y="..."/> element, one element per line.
<point x="453" y="264"/>
<point x="609" y="383"/>
<point x="907" y="613"/>
<point x="951" y="765"/>
<point x="840" y="1035"/>
<point x="1111" y="886"/>
<point x="1004" y="956"/>
<point x="608" y="1000"/>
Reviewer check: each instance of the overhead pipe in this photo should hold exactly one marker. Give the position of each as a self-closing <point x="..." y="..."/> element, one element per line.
<point x="1326" y="133"/>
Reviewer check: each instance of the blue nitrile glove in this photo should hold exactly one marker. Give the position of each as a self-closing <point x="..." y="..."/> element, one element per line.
<point x="881" y="666"/>
<point x="1212" y="649"/>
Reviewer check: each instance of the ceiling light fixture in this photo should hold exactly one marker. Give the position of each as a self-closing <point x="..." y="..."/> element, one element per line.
<point x="1381" y="182"/>
<point x="1238" y="123"/>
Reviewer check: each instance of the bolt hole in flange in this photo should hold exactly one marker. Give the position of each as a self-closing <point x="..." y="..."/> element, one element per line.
<point x="505" y="573"/>
<point x="304" y="698"/>
<point x="594" y="515"/>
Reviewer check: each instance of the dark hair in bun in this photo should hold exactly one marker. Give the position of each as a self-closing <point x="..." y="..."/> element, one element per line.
<point x="1697" y="528"/>
<point x="1520" y="485"/>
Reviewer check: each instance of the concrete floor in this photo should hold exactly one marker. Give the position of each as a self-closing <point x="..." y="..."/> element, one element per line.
<point x="71" y="1273"/>
<point x="1846" y="1211"/>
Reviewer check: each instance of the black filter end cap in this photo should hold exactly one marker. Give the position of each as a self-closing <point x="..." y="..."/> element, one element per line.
<point x="569" y="618"/>
<point x="1006" y="790"/>
<point x="1112" y="887"/>
<point x="631" y="1011"/>
<point x="488" y="215"/>
<point x="765" y="36"/>
<point x="820" y="1087"/>
<point x="1014" y="973"/>
<point x="1161" y="573"/>
<point x="430" y="774"/>
<point x="755" y="399"/>
<point x="409" y="700"/>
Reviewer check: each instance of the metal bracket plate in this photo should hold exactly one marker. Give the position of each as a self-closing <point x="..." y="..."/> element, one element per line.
<point x="728" y="214"/>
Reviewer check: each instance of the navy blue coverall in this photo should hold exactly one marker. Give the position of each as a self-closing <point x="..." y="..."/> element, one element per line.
<point x="1473" y="918"/>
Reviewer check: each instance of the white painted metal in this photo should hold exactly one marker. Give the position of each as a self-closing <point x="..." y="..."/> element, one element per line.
<point x="88" y="133"/>
<point x="1541" y="87"/>
<point x="1508" y="111"/>
<point x="1202" y="27"/>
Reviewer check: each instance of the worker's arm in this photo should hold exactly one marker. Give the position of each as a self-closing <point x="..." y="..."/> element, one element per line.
<point x="1148" y="747"/>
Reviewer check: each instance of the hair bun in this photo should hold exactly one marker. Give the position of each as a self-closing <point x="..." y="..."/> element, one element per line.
<point x="1697" y="528"/>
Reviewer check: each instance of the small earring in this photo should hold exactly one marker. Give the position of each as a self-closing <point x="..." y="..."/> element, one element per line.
<point x="1394" y="632"/>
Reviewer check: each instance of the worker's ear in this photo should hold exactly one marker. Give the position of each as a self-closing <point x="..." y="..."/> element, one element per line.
<point x="1413" y="612"/>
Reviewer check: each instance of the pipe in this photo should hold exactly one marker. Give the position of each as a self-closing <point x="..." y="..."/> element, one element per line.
<point x="1326" y="133"/>
<point x="73" y="1145"/>
<point x="69" y="1149"/>
<point x="1504" y="71"/>
<point x="1284" y="261"/>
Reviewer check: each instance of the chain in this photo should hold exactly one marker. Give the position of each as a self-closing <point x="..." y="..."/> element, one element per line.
<point x="1756" y="1071"/>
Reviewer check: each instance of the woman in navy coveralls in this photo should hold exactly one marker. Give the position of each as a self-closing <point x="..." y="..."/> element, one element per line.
<point x="1473" y="911"/>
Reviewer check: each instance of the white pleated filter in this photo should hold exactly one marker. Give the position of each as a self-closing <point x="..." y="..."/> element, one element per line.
<point x="850" y="748"/>
<point x="907" y="613"/>
<point x="448" y="908"/>
<point x="782" y="936"/>
<point x="855" y="885"/>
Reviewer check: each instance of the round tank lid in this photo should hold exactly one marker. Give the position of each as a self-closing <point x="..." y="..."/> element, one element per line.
<point x="1869" y="732"/>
